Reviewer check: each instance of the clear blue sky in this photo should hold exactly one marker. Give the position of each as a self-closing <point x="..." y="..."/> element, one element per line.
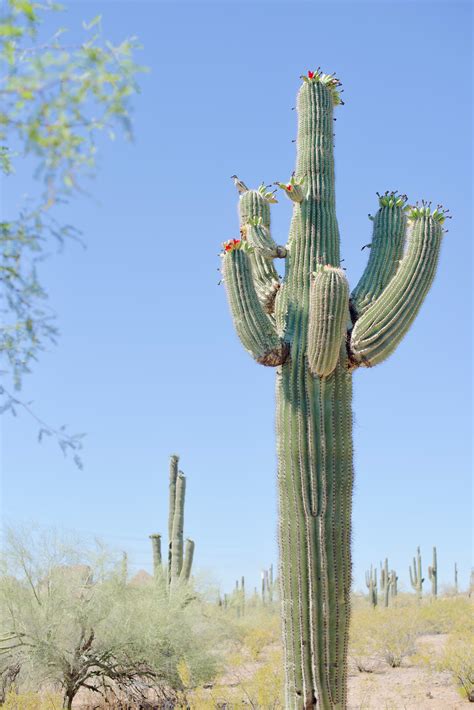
<point x="148" y="362"/>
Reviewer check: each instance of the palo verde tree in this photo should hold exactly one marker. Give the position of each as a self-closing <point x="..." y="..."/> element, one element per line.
<point x="57" y="97"/>
<point x="316" y="334"/>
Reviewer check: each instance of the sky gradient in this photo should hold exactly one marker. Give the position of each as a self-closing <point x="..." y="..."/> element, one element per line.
<point x="148" y="363"/>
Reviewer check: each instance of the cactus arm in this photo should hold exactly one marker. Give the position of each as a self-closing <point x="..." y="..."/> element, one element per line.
<point x="174" y="461"/>
<point x="254" y="214"/>
<point x="386" y="251"/>
<point x="379" y="330"/>
<point x="328" y="315"/>
<point x="254" y="328"/>
<point x="177" y="532"/>
<point x="188" y="559"/>
<point x="156" y="549"/>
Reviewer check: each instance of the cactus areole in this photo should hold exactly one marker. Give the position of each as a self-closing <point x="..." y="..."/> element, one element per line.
<point x="316" y="334"/>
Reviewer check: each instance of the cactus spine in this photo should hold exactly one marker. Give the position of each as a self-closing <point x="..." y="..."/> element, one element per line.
<point x="299" y="331"/>
<point x="433" y="574"/>
<point x="416" y="577"/>
<point x="371" y="583"/>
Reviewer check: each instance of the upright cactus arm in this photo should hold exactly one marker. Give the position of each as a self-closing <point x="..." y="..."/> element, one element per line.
<point x="433" y="574"/>
<point x="188" y="559"/>
<point x="177" y="532"/>
<point x="256" y="331"/>
<point x="383" y="325"/>
<point x="174" y="461"/>
<point x="328" y="316"/>
<point x="254" y="215"/>
<point x="156" y="549"/>
<point x="386" y="251"/>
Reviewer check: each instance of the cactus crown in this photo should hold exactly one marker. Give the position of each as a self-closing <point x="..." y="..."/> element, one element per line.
<point x="391" y="198"/>
<point x="423" y="209"/>
<point x="268" y="195"/>
<point x="329" y="80"/>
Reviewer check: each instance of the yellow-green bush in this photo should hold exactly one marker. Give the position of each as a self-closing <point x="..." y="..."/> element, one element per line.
<point x="32" y="701"/>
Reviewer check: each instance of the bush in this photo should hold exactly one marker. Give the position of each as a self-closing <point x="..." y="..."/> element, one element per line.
<point x="32" y="701"/>
<point x="382" y="634"/>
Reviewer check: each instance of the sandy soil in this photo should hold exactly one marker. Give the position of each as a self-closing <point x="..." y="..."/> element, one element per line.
<point x="409" y="687"/>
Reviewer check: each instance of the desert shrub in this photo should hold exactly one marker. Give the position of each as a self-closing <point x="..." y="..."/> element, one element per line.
<point x="68" y="620"/>
<point x="445" y="615"/>
<point x="382" y="634"/>
<point x="32" y="701"/>
<point x="362" y="640"/>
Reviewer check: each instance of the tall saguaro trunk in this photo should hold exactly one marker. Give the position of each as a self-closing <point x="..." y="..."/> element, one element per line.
<point x="316" y="334"/>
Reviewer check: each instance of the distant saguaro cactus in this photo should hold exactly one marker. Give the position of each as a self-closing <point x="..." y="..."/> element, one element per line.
<point x="416" y="576"/>
<point x="385" y="581"/>
<point x="371" y="583"/>
<point x="180" y="551"/>
<point x="316" y="335"/>
<point x="433" y="574"/>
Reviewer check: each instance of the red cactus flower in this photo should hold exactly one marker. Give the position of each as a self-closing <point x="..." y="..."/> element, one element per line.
<point x="310" y="74"/>
<point x="289" y="188"/>
<point x="228" y="247"/>
<point x="236" y="241"/>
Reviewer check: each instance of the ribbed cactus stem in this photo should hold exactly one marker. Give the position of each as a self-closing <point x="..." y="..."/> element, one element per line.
<point x="316" y="336"/>
<point x="393" y="583"/>
<point x="371" y="583"/>
<point x="177" y="543"/>
<point x="386" y="250"/>
<point x="188" y="559"/>
<point x="173" y="475"/>
<point x="327" y="319"/>
<point x="379" y="330"/>
<point x="433" y="574"/>
<point x="156" y="551"/>
<point x="416" y="577"/>
<point x="385" y="582"/>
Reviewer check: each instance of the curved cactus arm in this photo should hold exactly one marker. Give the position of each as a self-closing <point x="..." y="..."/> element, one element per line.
<point x="328" y="316"/>
<point x="254" y="328"/>
<point x="379" y="330"/>
<point x="386" y="251"/>
<point x="254" y="215"/>
<point x="188" y="559"/>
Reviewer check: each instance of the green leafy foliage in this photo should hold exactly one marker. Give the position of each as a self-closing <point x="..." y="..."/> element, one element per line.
<point x="56" y="98"/>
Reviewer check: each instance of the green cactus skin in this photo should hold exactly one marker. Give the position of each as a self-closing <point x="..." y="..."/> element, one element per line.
<point x="433" y="574"/>
<point x="385" y="582"/>
<point x="174" y="462"/>
<point x="371" y="583"/>
<point x="156" y="550"/>
<point x="378" y="331"/>
<point x="416" y="575"/>
<point x="314" y="419"/>
<point x="188" y="559"/>
<point x="177" y="544"/>
<point x="327" y="315"/>
<point x="393" y="583"/>
<point x="386" y="250"/>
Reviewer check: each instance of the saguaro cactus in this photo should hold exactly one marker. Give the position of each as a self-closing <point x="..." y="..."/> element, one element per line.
<point x="180" y="551"/>
<point x="416" y="576"/>
<point x="433" y="574"/>
<point x="385" y="581"/>
<point x="371" y="583"/>
<point x="316" y="335"/>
